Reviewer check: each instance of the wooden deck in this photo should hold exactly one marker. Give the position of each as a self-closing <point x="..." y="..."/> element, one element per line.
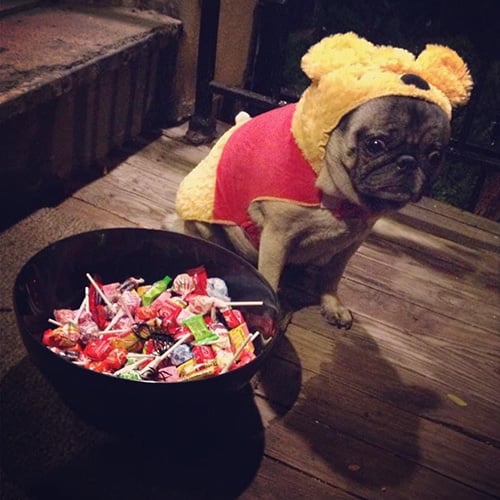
<point x="406" y="404"/>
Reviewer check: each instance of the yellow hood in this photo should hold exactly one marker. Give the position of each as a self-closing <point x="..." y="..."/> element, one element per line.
<point x="347" y="71"/>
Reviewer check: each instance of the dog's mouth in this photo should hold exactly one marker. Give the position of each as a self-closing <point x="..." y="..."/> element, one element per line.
<point x="391" y="185"/>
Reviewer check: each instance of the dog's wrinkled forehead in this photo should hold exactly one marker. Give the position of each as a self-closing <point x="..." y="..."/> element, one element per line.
<point x="404" y="115"/>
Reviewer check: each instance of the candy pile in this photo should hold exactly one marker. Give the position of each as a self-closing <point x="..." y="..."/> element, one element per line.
<point x="172" y="330"/>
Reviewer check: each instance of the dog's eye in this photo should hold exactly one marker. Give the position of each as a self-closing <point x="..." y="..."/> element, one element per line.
<point x="434" y="158"/>
<point x="375" y="146"/>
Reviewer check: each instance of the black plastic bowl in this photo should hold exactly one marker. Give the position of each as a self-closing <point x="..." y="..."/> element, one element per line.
<point x="56" y="276"/>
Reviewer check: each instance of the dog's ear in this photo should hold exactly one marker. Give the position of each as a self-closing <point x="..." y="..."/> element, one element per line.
<point x="334" y="52"/>
<point x="446" y="70"/>
<point x="350" y="53"/>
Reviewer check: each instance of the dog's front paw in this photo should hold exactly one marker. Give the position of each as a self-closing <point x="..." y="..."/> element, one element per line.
<point x="335" y="312"/>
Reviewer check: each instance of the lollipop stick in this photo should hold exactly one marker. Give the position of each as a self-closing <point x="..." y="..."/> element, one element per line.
<point x="130" y="367"/>
<point x="83" y="305"/>
<point x="99" y="291"/>
<point x="115" y="320"/>
<point x="87" y="304"/>
<point x="119" y="330"/>
<point x="126" y="309"/>
<point x="245" y="303"/>
<point x="149" y="370"/>
<point x="239" y="351"/>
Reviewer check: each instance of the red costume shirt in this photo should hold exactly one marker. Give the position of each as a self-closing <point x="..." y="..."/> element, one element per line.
<point x="261" y="160"/>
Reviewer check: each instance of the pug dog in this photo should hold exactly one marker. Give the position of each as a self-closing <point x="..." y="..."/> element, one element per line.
<point x="305" y="183"/>
<point x="388" y="151"/>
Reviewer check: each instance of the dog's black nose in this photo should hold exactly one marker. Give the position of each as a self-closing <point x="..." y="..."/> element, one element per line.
<point x="406" y="162"/>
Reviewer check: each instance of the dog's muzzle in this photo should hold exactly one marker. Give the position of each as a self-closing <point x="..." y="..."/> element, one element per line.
<point x="401" y="180"/>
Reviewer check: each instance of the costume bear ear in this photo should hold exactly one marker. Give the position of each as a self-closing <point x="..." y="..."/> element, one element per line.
<point x="336" y="52"/>
<point x="445" y="69"/>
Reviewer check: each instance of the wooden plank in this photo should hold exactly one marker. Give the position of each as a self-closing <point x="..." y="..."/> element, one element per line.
<point x="143" y="188"/>
<point x="476" y="271"/>
<point x="402" y="370"/>
<point x="464" y="342"/>
<point x="103" y="218"/>
<point x="310" y="444"/>
<point x="443" y="213"/>
<point x="179" y="151"/>
<point x="63" y="136"/>
<point x="477" y="231"/>
<point x="449" y="301"/>
<point x="121" y="104"/>
<point x="332" y="425"/>
<point x="133" y="194"/>
<point x="472" y="299"/>
<point x="277" y="480"/>
<point x="105" y="93"/>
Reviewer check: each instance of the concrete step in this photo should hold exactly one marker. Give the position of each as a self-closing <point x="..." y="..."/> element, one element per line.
<point x="76" y="83"/>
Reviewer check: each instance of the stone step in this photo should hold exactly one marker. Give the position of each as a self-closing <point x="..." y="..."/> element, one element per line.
<point x="77" y="82"/>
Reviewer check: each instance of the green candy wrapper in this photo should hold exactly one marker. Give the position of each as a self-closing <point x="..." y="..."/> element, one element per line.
<point x="199" y="329"/>
<point x="157" y="288"/>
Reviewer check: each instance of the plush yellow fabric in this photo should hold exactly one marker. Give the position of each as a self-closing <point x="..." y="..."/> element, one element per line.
<point x="346" y="71"/>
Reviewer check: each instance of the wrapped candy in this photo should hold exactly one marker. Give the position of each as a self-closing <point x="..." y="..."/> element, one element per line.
<point x="200" y="304"/>
<point x="155" y="290"/>
<point x="199" y="275"/>
<point x="62" y="337"/>
<point x="183" y="284"/>
<point x="137" y="331"/>
<point x="217" y="288"/>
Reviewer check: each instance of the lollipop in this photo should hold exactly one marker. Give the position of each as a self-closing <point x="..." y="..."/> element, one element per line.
<point x="183" y="284"/>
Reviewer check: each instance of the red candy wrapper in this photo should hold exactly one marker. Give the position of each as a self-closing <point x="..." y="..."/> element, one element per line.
<point x="116" y="359"/>
<point x="199" y="275"/>
<point x="233" y="317"/>
<point x="98" y="349"/>
<point x="168" y="311"/>
<point x="203" y="353"/>
<point x="97" y="310"/>
<point x="145" y="313"/>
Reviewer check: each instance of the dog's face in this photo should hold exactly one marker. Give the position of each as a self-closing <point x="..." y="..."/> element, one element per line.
<point x="389" y="150"/>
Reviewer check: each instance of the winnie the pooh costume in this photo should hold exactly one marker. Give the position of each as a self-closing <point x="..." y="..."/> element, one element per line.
<point x="279" y="154"/>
